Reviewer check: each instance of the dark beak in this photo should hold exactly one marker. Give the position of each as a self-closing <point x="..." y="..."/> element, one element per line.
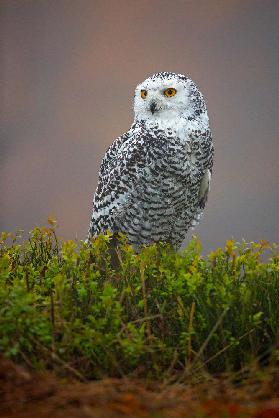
<point x="153" y="106"/>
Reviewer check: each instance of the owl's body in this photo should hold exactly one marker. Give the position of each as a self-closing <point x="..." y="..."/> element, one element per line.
<point x="154" y="179"/>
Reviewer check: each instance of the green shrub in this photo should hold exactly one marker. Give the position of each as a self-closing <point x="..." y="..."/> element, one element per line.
<point x="63" y="306"/>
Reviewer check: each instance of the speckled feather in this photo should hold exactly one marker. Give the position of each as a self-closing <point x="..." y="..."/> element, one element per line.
<point x="154" y="179"/>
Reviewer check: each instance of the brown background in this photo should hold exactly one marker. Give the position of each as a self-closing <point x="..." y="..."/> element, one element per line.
<point x="69" y="69"/>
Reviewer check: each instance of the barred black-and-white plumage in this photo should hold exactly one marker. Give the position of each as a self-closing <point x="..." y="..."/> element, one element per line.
<point x="154" y="179"/>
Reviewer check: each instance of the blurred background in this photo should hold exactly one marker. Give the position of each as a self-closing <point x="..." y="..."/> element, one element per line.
<point x="69" y="69"/>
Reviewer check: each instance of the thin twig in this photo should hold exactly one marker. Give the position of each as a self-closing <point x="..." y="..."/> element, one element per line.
<point x="56" y="358"/>
<point x="204" y="345"/>
<point x="222" y="350"/>
<point x="190" y="329"/>
<point x="52" y="316"/>
<point x="171" y="366"/>
<point x="148" y="318"/>
<point x="145" y="307"/>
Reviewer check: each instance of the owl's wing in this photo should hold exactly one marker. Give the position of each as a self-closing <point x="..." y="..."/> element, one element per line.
<point x="112" y="190"/>
<point x="112" y="153"/>
<point x="124" y="174"/>
<point x="205" y="158"/>
<point x="204" y="188"/>
<point x="207" y="163"/>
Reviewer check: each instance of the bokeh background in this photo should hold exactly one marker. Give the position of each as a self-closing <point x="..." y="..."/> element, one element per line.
<point x="69" y="69"/>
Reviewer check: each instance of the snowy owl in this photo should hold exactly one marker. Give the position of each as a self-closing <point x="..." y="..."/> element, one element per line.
<point x="154" y="179"/>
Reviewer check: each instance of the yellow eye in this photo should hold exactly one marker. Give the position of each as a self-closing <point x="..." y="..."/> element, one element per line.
<point x="143" y="94"/>
<point x="170" y="92"/>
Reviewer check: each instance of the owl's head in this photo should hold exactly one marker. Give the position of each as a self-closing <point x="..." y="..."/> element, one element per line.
<point x="167" y="96"/>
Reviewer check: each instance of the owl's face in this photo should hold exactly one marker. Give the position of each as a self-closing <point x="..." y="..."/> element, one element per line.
<point x="164" y="96"/>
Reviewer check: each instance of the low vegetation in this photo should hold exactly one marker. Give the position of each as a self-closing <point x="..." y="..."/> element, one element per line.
<point x="161" y="313"/>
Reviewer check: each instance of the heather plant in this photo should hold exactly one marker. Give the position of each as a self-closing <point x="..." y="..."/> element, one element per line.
<point x="160" y="313"/>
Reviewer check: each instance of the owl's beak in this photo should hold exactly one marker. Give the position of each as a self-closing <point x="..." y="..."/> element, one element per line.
<point x="153" y="106"/>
